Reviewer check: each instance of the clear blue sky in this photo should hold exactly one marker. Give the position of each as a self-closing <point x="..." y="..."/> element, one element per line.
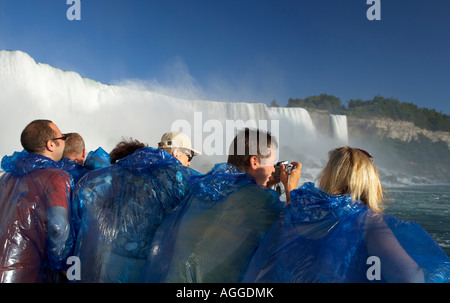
<point x="246" y="50"/>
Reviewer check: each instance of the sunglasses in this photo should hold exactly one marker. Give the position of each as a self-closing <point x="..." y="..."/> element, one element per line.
<point x="64" y="137"/>
<point x="189" y="155"/>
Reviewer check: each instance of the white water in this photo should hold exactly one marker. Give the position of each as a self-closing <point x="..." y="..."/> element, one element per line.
<point x="103" y="114"/>
<point x="338" y="128"/>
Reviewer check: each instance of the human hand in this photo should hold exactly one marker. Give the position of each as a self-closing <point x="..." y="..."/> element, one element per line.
<point x="295" y="175"/>
<point x="272" y="181"/>
<point x="284" y="176"/>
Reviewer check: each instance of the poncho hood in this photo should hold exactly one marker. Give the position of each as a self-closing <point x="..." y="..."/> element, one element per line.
<point x="223" y="180"/>
<point x="311" y="204"/>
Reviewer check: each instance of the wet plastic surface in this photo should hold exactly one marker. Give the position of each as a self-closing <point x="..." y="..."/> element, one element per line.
<point x="35" y="232"/>
<point x="118" y="209"/>
<point x="327" y="238"/>
<point x="94" y="160"/>
<point x="212" y="235"/>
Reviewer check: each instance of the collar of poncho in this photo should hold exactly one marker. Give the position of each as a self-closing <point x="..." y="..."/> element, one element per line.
<point x="147" y="158"/>
<point x="223" y="180"/>
<point x="23" y="163"/>
<point x="310" y="204"/>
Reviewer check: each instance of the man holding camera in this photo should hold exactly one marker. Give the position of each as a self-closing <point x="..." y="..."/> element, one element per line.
<point x="214" y="233"/>
<point x="286" y="173"/>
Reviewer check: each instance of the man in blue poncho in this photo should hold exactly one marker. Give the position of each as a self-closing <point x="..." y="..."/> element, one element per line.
<point x="120" y="206"/>
<point x="213" y="234"/>
<point x="35" y="233"/>
<point x="74" y="157"/>
<point x="75" y="148"/>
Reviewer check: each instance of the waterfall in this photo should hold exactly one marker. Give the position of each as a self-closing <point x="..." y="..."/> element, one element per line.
<point x="104" y="114"/>
<point x="338" y="128"/>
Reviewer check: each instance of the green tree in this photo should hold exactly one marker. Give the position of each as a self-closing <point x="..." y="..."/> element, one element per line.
<point x="274" y="103"/>
<point x="379" y="106"/>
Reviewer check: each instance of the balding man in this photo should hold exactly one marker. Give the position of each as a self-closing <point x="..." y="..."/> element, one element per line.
<point x="75" y="148"/>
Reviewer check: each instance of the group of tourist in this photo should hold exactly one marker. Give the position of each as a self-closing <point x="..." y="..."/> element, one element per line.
<point x="142" y="214"/>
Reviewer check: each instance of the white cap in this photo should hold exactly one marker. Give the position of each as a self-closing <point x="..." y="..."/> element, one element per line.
<point x="177" y="140"/>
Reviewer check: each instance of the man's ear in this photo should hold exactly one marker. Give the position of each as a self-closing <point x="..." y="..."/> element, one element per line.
<point x="175" y="152"/>
<point x="50" y="145"/>
<point x="254" y="162"/>
<point x="84" y="154"/>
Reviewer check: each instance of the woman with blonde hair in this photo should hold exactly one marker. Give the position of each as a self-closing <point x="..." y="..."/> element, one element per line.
<point x="339" y="233"/>
<point x="351" y="171"/>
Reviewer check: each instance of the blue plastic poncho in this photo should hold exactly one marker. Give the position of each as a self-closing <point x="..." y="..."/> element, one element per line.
<point x="327" y="238"/>
<point x="94" y="160"/>
<point x="119" y="208"/>
<point x="74" y="169"/>
<point x="35" y="233"/>
<point x="213" y="234"/>
<point x="97" y="159"/>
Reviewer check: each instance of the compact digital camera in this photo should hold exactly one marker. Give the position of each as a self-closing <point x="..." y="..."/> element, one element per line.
<point x="278" y="168"/>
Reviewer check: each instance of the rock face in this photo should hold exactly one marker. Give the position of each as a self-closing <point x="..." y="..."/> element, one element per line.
<point x="423" y="161"/>
<point x="380" y="127"/>
<point x="388" y="128"/>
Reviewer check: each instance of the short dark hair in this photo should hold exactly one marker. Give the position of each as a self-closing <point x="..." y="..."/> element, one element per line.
<point x="35" y="135"/>
<point x="248" y="143"/>
<point x="125" y="148"/>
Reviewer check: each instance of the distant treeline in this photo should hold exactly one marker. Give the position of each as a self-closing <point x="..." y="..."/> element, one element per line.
<point x="377" y="107"/>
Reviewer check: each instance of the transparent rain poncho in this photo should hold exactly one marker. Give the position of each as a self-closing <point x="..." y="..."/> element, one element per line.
<point x="74" y="169"/>
<point x="214" y="232"/>
<point x="327" y="238"/>
<point x="94" y="160"/>
<point x="118" y="209"/>
<point x="35" y="232"/>
<point x="98" y="158"/>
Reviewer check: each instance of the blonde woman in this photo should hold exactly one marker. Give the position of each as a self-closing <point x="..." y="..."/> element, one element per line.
<point x="339" y="233"/>
<point x="351" y="171"/>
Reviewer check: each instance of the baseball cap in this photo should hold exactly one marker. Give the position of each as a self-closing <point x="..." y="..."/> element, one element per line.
<point x="177" y="140"/>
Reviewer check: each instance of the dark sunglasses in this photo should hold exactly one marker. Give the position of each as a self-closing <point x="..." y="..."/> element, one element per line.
<point x="64" y="137"/>
<point x="189" y="155"/>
